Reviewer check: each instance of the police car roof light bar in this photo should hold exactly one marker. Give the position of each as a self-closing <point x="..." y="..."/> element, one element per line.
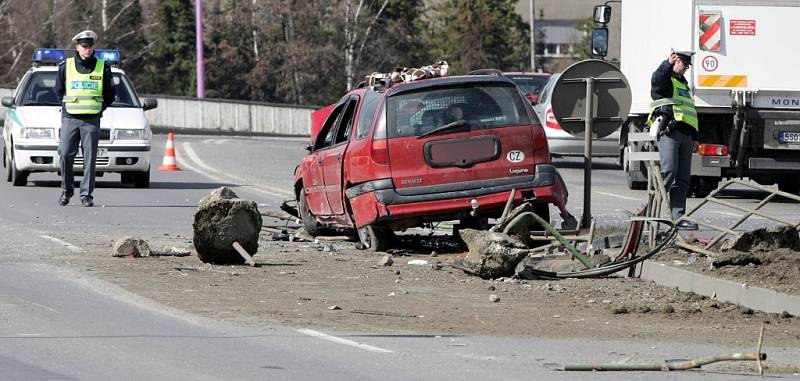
<point x="54" y="56"/>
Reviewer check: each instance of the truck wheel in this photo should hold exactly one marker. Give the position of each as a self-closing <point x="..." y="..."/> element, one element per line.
<point x="792" y="187"/>
<point x="18" y="178"/>
<point x="702" y="186"/>
<point x="311" y="224"/>
<point x="141" y="179"/>
<point x="376" y="237"/>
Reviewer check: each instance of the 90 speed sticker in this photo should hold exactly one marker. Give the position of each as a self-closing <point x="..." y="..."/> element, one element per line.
<point x="515" y="156"/>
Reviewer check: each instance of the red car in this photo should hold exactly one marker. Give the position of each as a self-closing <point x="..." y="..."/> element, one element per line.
<point x="393" y="156"/>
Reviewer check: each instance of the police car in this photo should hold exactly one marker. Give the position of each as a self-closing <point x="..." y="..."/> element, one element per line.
<point x="33" y="120"/>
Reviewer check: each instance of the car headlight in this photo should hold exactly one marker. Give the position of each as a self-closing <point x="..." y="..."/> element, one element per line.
<point x="38" y="133"/>
<point x="129" y="134"/>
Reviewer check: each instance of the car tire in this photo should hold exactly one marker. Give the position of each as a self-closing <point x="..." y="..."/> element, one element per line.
<point x="18" y="178"/>
<point x="790" y="186"/>
<point x="376" y="237"/>
<point x="702" y="186"/>
<point x="7" y="165"/>
<point x="311" y="224"/>
<point x="141" y="179"/>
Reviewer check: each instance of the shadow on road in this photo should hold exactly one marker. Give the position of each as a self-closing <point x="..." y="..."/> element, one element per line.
<point x="153" y="185"/>
<point x="579" y="164"/>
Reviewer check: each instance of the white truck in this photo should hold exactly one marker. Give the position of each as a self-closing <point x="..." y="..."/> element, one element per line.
<point x="745" y="79"/>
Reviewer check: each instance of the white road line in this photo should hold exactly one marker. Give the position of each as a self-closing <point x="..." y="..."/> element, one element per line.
<point x="69" y="246"/>
<point x="339" y="340"/>
<point x="221" y="141"/>
<point x="218" y="175"/>
<point x="618" y="196"/>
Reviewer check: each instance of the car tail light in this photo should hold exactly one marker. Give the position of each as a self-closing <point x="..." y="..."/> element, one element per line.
<point x="541" y="152"/>
<point x="379" y="150"/>
<point x="551" y="120"/>
<point x="713" y="150"/>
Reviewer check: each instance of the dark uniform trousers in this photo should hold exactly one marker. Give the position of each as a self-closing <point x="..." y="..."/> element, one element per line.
<point x="675" y="154"/>
<point x="73" y="131"/>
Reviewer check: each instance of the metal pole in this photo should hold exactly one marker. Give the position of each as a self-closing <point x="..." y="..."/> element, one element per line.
<point x="200" y="64"/>
<point x="586" y="220"/>
<point x="533" y="39"/>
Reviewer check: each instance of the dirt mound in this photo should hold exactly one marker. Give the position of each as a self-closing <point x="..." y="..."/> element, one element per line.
<point x="765" y="239"/>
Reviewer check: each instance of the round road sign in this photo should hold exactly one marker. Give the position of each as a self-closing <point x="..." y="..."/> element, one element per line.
<point x="710" y="63"/>
<point x="612" y="98"/>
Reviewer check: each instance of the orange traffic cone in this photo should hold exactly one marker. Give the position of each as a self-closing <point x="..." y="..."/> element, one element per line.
<point x="169" y="163"/>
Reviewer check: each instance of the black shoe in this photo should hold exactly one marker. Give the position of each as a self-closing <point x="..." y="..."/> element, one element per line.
<point x="87" y="201"/>
<point x="686" y="225"/>
<point x="64" y="198"/>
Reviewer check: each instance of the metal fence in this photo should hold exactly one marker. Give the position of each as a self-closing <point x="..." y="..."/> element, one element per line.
<point x="222" y="116"/>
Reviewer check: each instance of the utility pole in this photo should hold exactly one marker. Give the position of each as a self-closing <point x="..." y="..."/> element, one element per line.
<point x="533" y="38"/>
<point x="198" y="22"/>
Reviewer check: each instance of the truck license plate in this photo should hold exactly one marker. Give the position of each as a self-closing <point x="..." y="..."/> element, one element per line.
<point x="789" y="137"/>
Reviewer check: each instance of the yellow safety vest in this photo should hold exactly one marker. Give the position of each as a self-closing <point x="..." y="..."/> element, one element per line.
<point x="84" y="92"/>
<point x="682" y="105"/>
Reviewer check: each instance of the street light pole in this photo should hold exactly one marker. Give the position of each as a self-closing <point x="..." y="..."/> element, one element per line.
<point x="533" y="38"/>
<point x="200" y="64"/>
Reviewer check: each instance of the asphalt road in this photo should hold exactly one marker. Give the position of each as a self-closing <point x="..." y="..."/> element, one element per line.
<point x="58" y="325"/>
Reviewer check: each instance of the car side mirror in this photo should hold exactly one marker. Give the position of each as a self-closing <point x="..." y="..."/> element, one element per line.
<point x="308" y="147"/>
<point x="8" y="101"/>
<point x="602" y="14"/>
<point x="149" y="104"/>
<point x="600" y="41"/>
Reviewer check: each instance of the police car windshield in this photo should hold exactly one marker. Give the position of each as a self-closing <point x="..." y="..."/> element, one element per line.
<point x="39" y="91"/>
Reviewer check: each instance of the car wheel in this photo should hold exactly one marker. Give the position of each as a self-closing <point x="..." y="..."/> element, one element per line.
<point x="792" y="187"/>
<point x="18" y="178"/>
<point x="311" y="224"/>
<point x="141" y="179"/>
<point x="702" y="186"/>
<point x="376" y="237"/>
<point x="7" y="165"/>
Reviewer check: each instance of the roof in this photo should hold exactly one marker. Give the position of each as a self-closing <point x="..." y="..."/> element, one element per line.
<point x="446" y="81"/>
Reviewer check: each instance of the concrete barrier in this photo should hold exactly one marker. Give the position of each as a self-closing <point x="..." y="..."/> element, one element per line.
<point x="215" y="116"/>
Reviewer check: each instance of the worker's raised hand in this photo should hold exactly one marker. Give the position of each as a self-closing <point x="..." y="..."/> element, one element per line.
<point x="672" y="57"/>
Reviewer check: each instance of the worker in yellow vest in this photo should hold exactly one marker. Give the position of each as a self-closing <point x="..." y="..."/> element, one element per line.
<point x="86" y="88"/>
<point x="673" y="114"/>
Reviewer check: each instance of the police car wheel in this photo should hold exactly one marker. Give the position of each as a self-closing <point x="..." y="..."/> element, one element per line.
<point x="7" y="166"/>
<point x="18" y="178"/>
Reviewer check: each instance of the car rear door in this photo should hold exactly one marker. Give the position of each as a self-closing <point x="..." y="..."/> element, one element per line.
<point x="332" y="157"/>
<point x="490" y="138"/>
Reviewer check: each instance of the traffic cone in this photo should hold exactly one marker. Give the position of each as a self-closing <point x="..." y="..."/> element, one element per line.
<point x="169" y="163"/>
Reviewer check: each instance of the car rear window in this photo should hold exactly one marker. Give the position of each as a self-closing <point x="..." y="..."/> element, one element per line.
<point x="484" y="105"/>
<point x="530" y="84"/>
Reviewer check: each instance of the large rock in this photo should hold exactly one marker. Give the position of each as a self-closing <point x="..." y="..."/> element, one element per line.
<point x="765" y="239"/>
<point x="492" y="255"/>
<point x="130" y="247"/>
<point x="222" y="219"/>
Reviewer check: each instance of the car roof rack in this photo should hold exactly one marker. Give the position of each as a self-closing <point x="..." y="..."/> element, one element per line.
<point x="487" y="72"/>
<point x="52" y="56"/>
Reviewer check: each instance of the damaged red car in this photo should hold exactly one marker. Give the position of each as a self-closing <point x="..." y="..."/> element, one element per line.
<point x="389" y="157"/>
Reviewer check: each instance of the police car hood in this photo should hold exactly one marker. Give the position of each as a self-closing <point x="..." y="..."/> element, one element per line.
<point x="113" y="117"/>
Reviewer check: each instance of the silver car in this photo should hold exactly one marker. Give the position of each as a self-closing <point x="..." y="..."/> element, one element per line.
<point x="562" y="143"/>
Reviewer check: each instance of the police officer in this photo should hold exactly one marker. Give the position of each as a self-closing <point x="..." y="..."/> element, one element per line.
<point x="678" y="136"/>
<point x="85" y="85"/>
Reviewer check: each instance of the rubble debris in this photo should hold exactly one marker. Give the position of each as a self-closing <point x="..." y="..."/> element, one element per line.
<point x="668" y="366"/>
<point x="171" y="251"/>
<point x="248" y="259"/>
<point x="736" y="259"/>
<point x="222" y="219"/>
<point x="383" y="313"/>
<point x="492" y="254"/>
<point x="765" y="239"/>
<point x="130" y="247"/>
<point x="494" y="298"/>
<point x="386" y="260"/>
<point x="334" y="308"/>
<point x="418" y="262"/>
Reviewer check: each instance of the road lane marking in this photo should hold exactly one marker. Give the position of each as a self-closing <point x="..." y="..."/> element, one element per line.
<point x="69" y="246"/>
<point x="339" y="340"/>
<point x="618" y="196"/>
<point x="218" y="175"/>
<point x="221" y="141"/>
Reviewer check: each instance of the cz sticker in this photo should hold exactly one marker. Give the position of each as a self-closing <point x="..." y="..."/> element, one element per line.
<point x="515" y="156"/>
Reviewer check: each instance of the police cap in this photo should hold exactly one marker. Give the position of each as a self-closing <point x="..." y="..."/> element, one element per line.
<point x="685" y="56"/>
<point x="87" y="36"/>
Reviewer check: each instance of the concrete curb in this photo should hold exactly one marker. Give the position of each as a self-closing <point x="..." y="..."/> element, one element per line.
<point x="723" y="290"/>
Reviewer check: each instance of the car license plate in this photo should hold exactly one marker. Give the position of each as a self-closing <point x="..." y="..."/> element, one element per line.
<point x="789" y="137"/>
<point x="101" y="151"/>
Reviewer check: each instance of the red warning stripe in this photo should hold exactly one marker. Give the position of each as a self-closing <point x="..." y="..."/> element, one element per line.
<point x="711" y="28"/>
